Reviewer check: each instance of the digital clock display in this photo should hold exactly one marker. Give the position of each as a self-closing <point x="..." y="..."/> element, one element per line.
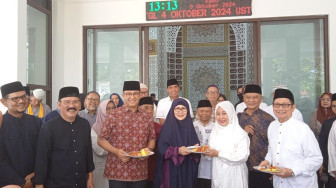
<point x="163" y="5"/>
<point x="190" y="9"/>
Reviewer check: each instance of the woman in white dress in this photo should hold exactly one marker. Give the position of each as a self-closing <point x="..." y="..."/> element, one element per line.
<point x="99" y="154"/>
<point x="229" y="145"/>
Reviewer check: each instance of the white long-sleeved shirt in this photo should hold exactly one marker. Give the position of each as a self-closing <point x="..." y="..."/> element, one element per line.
<point x="293" y="145"/>
<point x="203" y="134"/>
<point x="332" y="150"/>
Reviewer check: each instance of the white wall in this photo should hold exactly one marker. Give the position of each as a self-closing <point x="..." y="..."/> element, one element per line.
<point x="69" y="17"/>
<point x="13" y="42"/>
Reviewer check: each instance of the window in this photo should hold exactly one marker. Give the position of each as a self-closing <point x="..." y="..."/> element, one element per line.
<point x="292" y="55"/>
<point x="39" y="46"/>
<point x="113" y="57"/>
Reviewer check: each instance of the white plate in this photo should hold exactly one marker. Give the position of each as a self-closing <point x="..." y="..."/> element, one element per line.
<point x="190" y="148"/>
<point x="258" y="168"/>
<point x="150" y="153"/>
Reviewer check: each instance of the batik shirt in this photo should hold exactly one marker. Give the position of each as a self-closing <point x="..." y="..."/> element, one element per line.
<point x="129" y="131"/>
<point x="260" y="120"/>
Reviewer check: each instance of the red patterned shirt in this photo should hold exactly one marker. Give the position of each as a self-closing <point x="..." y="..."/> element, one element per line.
<point x="129" y="131"/>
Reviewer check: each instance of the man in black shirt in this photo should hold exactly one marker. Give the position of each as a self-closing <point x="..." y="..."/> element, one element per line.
<point x="18" y="138"/>
<point x="64" y="151"/>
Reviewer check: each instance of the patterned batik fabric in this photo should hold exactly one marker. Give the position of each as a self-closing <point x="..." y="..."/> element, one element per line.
<point x="129" y="131"/>
<point x="260" y="120"/>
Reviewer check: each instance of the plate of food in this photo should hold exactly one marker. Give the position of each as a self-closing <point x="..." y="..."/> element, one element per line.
<point x="198" y="149"/>
<point x="271" y="169"/>
<point x="139" y="154"/>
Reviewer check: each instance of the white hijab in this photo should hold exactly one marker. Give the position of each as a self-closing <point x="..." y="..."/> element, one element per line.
<point x="225" y="138"/>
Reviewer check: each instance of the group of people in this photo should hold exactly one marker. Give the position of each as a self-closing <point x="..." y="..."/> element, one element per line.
<point x="70" y="147"/>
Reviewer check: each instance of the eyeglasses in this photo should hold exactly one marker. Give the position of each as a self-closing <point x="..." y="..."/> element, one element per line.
<point x="144" y="93"/>
<point x="212" y="92"/>
<point x="325" y="99"/>
<point x="68" y="102"/>
<point x="135" y="94"/>
<point x="277" y="105"/>
<point x="92" y="100"/>
<point x="17" y="99"/>
<point x="182" y="109"/>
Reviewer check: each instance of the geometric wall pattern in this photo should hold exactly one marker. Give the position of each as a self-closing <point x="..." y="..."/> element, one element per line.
<point x="202" y="54"/>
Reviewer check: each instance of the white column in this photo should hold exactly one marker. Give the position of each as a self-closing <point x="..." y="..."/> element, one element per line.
<point x="13" y="19"/>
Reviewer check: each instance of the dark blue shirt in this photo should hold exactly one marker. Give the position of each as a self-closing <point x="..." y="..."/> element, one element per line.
<point x="51" y="115"/>
<point x="18" y="139"/>
<point x="64" y="153"/>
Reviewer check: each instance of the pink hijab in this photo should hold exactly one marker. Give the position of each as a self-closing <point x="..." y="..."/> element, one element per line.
<point x="100" y="116"/>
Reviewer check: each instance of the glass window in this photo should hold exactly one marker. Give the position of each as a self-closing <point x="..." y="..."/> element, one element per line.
<point x="292" y="55"/>
<point x="37" y="47"/>
<point x="44" y="3"/>
<point x="113" y="57"/>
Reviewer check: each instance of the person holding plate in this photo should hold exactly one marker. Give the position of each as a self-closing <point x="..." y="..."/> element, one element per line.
<point x="125" y="130"/>
<point x="229" y="145"/>
<point x="176" y="166"/>
<point x="203" y="129"/>
<point x="146" y="105"/>
<point x="292" y="148"/>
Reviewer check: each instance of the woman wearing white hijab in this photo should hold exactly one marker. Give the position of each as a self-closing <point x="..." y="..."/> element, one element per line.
<point x="99" y="154"/>
<point x="229" y="145"/>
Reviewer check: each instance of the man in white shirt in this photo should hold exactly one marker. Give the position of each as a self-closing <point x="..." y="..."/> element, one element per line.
<point x="293" y="148"/>
<point x="203" y="129"/>
<point x="164" y="105"/>
<point x="269" y="109"/>
<point x="332" y="155"/>
<point x="212" y="95"/>
<point x="241" y="106"/>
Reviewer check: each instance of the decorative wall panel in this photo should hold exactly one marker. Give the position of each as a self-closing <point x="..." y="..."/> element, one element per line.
<point x="205" y="34"/>
<point x="171" y="35"/>
<point x="201" y="72"/>
<point x="199" y="55"/>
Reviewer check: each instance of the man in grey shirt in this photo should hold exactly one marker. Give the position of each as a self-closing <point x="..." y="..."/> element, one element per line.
<point x="91" y="103"/>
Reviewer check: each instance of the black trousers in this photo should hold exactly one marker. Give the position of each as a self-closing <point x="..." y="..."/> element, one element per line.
<point x="127" y="184"/>
<point x="331" y="182"/>
<point x="203" y="183"/>
<point x="259" y="180"/>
